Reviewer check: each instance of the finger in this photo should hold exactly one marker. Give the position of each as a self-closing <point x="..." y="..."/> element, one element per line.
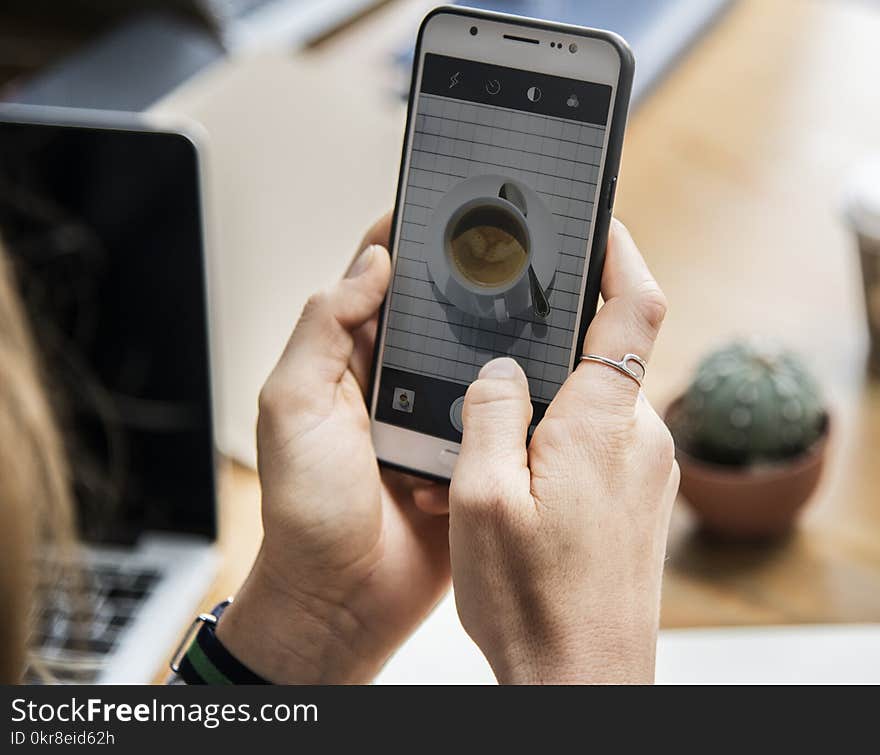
<point x="365" y="336"/>
<point x="430" y="497"/>
<point x="634" y="304"/>
<point x="496" y="416"/>
<point x="672" y="485"/>
<point x="319" y="351"/>
<point x="432" y="500"/>
<point x="362" y="354"/>
<point x="625" y="267"/>
<point x="628" y="322"/>
<point x="378" y="233"/>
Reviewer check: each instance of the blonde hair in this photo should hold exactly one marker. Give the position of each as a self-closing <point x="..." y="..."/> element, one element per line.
<point x="35" y="498"/>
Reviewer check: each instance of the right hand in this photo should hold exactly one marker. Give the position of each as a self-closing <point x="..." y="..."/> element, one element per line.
<point x="557" y="549"/>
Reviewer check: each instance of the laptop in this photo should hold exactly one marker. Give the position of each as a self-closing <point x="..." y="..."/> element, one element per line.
<point x="257" y="24"/>
<point x="240" y="25"/>
<point x="109" y="55"/>
<point x="102" y="218"/>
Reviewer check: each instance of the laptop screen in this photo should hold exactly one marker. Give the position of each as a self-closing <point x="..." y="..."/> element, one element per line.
<point x="103" y="229"/>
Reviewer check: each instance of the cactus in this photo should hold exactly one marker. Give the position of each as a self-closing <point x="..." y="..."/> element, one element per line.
<point x="750" y="402"/>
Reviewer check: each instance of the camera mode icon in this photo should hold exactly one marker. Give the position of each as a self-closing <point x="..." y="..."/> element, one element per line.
<point x="403" y="400"/>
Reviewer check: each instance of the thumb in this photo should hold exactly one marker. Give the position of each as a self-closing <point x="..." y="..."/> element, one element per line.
<point x="318" y="353"/>
<point x="496" y="416"/>
<point x="358" y="296"/>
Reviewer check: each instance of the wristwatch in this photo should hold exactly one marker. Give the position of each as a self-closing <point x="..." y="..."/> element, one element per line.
<point x="202" y="659"/>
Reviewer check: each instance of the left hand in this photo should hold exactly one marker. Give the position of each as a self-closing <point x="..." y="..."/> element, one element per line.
<point x="353" y="557"/>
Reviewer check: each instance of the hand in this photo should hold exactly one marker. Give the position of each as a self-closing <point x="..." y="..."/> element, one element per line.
<point x="353" y="557"/>
<point x="557" y="550"/>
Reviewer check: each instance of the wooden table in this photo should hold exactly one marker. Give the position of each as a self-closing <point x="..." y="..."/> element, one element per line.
<point x="731" y="184"/>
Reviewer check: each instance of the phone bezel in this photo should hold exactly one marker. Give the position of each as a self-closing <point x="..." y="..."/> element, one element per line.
<point x="602" y="57"/>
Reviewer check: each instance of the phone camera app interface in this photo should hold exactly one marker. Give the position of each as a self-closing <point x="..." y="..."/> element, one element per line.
<point x="494" y="237"/>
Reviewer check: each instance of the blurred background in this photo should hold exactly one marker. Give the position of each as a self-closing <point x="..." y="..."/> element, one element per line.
<point x="750" y="181"/>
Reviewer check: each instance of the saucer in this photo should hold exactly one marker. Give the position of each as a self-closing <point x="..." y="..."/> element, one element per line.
<point x="545" y="240"/>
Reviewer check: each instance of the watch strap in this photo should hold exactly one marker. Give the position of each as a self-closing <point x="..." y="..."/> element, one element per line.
<point x="207" y="661"/>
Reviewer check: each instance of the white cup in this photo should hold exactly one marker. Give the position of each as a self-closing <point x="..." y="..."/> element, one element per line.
<point x="862" y="207"/>
<point x="512" y="296"/>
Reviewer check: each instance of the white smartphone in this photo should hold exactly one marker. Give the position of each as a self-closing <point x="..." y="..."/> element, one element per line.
<point x="507" y="181"/>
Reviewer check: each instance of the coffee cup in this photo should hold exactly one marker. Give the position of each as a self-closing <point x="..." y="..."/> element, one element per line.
<point x="863" y="213"/>
<point x="488" y="245"/>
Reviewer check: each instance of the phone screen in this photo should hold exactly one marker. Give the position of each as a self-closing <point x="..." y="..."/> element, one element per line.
<point x="493" y="239"/>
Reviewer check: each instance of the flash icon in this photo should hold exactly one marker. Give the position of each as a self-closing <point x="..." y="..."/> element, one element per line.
<point x="453" y="80"/>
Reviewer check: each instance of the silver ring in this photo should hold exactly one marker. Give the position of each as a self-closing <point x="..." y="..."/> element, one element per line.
<point x="623" y="365"/>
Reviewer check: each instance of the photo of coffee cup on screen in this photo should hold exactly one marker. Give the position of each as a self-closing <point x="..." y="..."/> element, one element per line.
<point x="494" y="236"/>
<point x="493" y="250"/>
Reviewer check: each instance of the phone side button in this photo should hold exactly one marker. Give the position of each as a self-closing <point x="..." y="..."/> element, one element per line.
<point x="612" y="190"/>
<point x="448" y="457"/>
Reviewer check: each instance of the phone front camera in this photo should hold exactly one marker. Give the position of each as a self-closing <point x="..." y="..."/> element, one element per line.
<point x="474" y="31"/>
<point x="572" y="47"/>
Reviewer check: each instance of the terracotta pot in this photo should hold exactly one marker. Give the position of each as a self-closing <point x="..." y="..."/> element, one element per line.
<point x="752" y="502"/>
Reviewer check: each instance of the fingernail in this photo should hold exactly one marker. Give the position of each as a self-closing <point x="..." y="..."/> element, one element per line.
<point x="503" y="367"/>
<point x="361" y="264"/>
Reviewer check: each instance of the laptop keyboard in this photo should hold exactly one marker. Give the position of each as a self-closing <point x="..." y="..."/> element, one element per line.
<point x="81" y="622"/>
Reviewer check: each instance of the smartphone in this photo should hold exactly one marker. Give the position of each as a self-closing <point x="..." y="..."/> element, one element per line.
<point x="510" y="157"/>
